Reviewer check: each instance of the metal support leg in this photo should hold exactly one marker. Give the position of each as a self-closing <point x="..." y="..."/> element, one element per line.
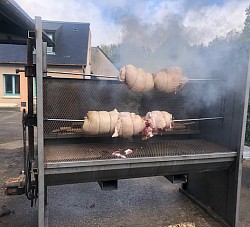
<point x="215" y="192"/>
<point x="40" y="140"/>
<point x="30" y="96"/>
<point x="46" y="208"/>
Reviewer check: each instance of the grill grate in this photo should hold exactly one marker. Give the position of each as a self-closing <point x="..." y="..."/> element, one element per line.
<point x="87" y="151"/>
<point x="73" y="98"/>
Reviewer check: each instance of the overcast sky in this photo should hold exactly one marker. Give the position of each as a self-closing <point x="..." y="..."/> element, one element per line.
<point x="205" y="18"/>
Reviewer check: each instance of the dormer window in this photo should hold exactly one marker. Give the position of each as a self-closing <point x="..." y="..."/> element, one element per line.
<point x="51" y="50"/>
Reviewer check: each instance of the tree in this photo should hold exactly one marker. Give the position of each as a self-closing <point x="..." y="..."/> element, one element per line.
<point x="246" y="29"/>
<point x="245" y="37"/>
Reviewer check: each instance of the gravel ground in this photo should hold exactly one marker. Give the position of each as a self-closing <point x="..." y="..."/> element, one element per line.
<point x="137" y="202"/>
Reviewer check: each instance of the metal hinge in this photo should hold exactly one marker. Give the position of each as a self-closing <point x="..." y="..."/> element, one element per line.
<point x="31" y="34"/>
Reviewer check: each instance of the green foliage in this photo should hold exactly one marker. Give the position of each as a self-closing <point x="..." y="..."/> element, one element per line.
<point x="246" y="29"/>
<point x="247" y="137"/>
<point x="246" y="37"/>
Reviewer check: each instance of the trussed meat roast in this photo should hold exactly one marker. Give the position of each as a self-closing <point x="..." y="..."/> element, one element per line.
<point x="129" y="124"/>
<point x="157" y="122"/>
<point x="100" y="122"/>
<point x="137" y="79"/>
<point x="126" y="124"/>
<point x="169" y="80"/>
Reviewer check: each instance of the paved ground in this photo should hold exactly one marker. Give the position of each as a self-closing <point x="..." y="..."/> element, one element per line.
<point x="139" y="202"/>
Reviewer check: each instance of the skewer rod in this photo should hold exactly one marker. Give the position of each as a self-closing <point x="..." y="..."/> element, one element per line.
<point x="81" y="74"/>
<point x="182" y="120"/>
<point x="115" y="77"/>
<point x="198" y="119"/>
<point x="68" y="120"/>
<point x="205" y="79"/>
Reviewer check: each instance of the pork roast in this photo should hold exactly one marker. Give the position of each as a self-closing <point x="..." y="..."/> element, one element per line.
<point x="129" y="124"/>
<point x="100" y="122"/>
<point x="137" y="79"/>
<point x="157" y="122"/>
<point x="169" y="80"/>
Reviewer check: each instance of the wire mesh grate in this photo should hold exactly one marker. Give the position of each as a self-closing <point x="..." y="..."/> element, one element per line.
<point x="72" y="98"/>
<point x="102" y="151"/>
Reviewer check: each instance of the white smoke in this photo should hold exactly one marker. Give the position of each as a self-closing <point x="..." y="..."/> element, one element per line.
<point x="208" y="22"/>
<point x="204" y="22"/>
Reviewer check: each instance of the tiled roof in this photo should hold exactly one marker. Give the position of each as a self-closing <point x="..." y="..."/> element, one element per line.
<point x="71" y="48"/>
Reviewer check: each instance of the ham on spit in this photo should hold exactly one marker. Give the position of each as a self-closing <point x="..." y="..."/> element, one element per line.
<point x="100" y="122"/>
<point x="137" y="79"/>
<point x="166" y="80"/>
<point x="157" y="122"/>
<point x="126" y="124"/>
<point x="169" y="80"/>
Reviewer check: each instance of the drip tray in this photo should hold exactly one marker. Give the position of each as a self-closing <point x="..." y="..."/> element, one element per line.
<point x="103" y="151"/>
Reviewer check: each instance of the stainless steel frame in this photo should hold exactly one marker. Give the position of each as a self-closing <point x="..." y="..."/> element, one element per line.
<point x="40" y="61"/>
<point x="214" y="176"/>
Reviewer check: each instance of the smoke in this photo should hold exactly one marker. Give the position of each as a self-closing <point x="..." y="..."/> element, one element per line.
<point x="207" y="22"/>
<point x="201" y="42"/>
<point x="205" y="19"/>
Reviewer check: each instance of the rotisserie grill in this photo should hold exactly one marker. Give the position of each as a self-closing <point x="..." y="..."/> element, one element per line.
<point x="196" y="134"/>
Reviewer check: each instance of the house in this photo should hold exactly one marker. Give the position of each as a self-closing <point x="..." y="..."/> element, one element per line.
<point x="71" y="54"/>
<point x="14" y="27"/>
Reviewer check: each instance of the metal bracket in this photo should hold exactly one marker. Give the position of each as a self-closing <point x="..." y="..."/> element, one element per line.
<point x="31" y="34"/>
<point x="177" y="179"/>
<point x="108" y="185"/>
<point x="30" y="120"/>
<point x="30" y="70"/>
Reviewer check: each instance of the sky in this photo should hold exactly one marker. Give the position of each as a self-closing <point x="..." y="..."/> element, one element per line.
<point x="205" y="19"/>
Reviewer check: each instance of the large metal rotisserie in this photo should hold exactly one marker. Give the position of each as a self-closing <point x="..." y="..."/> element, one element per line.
<point x="204" y="144"/>
<point x="204" y="149"/>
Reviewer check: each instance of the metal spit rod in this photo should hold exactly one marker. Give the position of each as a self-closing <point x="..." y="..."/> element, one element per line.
<point x="81" y="74"/>
<point x="116" y="77"/>
<point x="198" y="119"/>
<point x="182" y="120"/>
<point x="68" y="120"/>
<point x="205" y="79"/>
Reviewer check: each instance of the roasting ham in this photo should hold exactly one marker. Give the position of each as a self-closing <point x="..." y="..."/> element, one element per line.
<point x="169" y="80"/>
<point x="137" y="79"/>
<point x="126" y="124"/>
<point x="100" y="122"/>
<point x="166" y="80"/>
<point x="157" y="122"/>
<point x="129" y="124"/>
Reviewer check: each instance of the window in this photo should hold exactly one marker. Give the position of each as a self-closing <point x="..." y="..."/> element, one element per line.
<point x="11" y="84"/>
<point x="51" y="50"/>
